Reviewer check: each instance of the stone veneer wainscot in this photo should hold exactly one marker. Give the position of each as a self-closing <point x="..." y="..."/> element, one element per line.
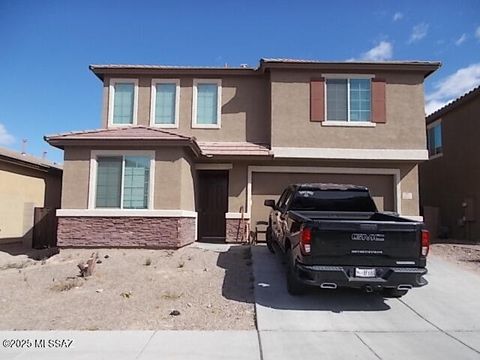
<point x="151" y="232"/>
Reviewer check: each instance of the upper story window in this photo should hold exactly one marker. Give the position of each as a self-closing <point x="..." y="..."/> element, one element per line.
<point x="434" y="139"/>
<point x="123" y="102"/>
<point x="207" y="103"/>
<point x="165" y="103"/>
<point x="123" y="181"/>
<point x="348" y="99"/>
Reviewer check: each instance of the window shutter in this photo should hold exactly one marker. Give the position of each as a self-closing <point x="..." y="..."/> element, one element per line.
<point x="317" y="99"/>
<point x="379" y="114"/>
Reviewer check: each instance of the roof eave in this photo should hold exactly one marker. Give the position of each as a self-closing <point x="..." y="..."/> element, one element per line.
<point x="104" y="70"/>
<point x="427" y="68"/>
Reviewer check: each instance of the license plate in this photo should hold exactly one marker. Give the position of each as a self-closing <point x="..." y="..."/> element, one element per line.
<point x="365" y="273"/>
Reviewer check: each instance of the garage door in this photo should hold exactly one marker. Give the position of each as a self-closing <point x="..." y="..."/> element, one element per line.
<point x="271" y="185"/>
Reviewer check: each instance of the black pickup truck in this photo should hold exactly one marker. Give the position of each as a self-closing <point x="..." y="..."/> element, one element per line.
<point x="333" y="236"/>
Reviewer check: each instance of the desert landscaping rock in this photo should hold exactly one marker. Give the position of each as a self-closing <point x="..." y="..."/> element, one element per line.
<point x="154" y="291"/>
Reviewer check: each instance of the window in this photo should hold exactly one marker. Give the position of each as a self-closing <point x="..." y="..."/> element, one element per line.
<point x="123" y="102"/>
<point x="349" y="99"/>
<point x="165" y="103"/>
<point x="434" y="139"/>
<point x="123" y="181"/>
<point x="207" y="99"/>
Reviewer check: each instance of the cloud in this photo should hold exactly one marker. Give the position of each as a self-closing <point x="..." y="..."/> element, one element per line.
<point x="419" y="31"/>
<point x="383" y="51"/>
<point x="397" y="16"/>
<point x="461" y="39"/>
<point x="477" y="33"/>
<point x="5" y="137"/>
<point x="452" y="87"/>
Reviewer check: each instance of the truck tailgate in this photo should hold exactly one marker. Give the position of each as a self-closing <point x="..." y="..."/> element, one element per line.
<point x="368" y="243"/>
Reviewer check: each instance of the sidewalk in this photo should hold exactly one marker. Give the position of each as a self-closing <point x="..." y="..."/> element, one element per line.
<point x="143" y="345"/>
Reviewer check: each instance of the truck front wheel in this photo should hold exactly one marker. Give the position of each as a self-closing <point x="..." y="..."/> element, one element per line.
<point x="269" y="239"/>
<point x="294" y="286"/>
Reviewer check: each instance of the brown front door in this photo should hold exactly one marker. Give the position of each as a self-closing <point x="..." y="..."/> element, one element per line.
<point x="213" y="204"/>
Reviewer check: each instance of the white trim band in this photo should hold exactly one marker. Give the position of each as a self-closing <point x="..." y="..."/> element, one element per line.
<point x="236" y="215"/>
<point x="125" y="213"/>
<point x="350" y="154"/>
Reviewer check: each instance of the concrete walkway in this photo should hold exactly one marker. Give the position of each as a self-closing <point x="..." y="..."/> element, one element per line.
<point x="142" y="345"/>
<point x="439" y="321"/>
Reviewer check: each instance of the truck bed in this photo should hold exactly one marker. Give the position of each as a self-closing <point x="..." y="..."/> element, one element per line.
<point x="361" y="239"/>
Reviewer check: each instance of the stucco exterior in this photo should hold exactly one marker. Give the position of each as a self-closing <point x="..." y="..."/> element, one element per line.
<point x="244" y="108"/>
<point x="24" y="187"/>
<point x="450" y="182"/>
<point x="291" y="125"/>
<point x="262" y="110"/>
<point x="173" y="182"/>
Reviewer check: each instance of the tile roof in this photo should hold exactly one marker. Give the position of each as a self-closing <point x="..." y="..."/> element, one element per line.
<point x="312" y="61"/>
<point x="233" y="149"/>
<point x="453" y="104"/>
<point x="123" y="133"/>
<point x="28" y="159"/>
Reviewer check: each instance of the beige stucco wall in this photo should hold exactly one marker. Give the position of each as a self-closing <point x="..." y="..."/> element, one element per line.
<point x="174" y="178"/>
<point x="244" y="109"/>
<point x="23" y="189"/>
<point x="76" y="171"/>
<point x="291" y="125"/>
<point x="452" y="179"/>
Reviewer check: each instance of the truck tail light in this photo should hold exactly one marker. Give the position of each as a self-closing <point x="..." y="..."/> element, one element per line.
<point x="425" y="242"/>
<point x="306" y="241"/>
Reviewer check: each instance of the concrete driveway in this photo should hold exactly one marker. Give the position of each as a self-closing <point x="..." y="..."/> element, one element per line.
<point x="439" y="321"/>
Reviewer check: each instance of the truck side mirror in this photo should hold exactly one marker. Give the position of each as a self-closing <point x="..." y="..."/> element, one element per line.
<point x="269" y="203"/>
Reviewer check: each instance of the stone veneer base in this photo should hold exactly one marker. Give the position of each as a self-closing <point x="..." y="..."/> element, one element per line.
<point x="151" y="232"/>
<point x="235" y="231"/>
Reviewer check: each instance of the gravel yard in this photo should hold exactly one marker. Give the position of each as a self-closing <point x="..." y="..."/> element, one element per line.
<point x="211" y="287"/>
<point x="463" y="254"/>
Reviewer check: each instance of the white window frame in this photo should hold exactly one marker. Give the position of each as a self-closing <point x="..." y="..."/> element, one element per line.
<point x="111" y="99"/>
<point x="347" y="122"/>
<point x="153" y="102"/>
<point x="217" y="82"/>
<point x="430" y="126"/>
<point x="92" y="188"/>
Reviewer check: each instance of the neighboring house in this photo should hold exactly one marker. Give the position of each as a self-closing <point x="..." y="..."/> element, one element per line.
<point x="450" y="180"/>
<point x="26" y="182"/>
<point x="189" y="153"/>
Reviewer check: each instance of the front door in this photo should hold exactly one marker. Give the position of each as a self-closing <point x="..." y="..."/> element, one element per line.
<point x="213" y="204"/>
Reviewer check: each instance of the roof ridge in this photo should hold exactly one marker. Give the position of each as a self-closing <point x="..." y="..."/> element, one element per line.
<point x="450" y="104"/>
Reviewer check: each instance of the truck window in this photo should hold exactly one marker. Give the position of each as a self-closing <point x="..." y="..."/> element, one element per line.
<point x="333" y="200"/>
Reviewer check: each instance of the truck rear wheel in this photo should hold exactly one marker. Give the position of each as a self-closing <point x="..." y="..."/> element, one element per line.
<point x="294" y="286"/>
<point x="393" y="293"/>
<point x="269" y="239"/>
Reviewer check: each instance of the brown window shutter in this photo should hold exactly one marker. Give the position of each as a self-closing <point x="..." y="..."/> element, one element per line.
<point x="317" y="99"/>
<point x="379" y="113"/>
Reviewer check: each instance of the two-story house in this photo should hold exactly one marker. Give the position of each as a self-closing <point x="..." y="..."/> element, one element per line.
<point x="449" y="181"/>
<point x="189" y="153"/>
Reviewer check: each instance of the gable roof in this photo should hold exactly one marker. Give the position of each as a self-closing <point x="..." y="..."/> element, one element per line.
<point x="154" y="137"/>
<point x="453" y="104"/>
<point x="122" y="136"/>
<point x="27" y="160"/>
<point x="127" y="132"/>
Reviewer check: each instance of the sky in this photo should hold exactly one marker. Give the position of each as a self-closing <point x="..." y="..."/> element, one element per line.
<point x="46" y="47"/>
